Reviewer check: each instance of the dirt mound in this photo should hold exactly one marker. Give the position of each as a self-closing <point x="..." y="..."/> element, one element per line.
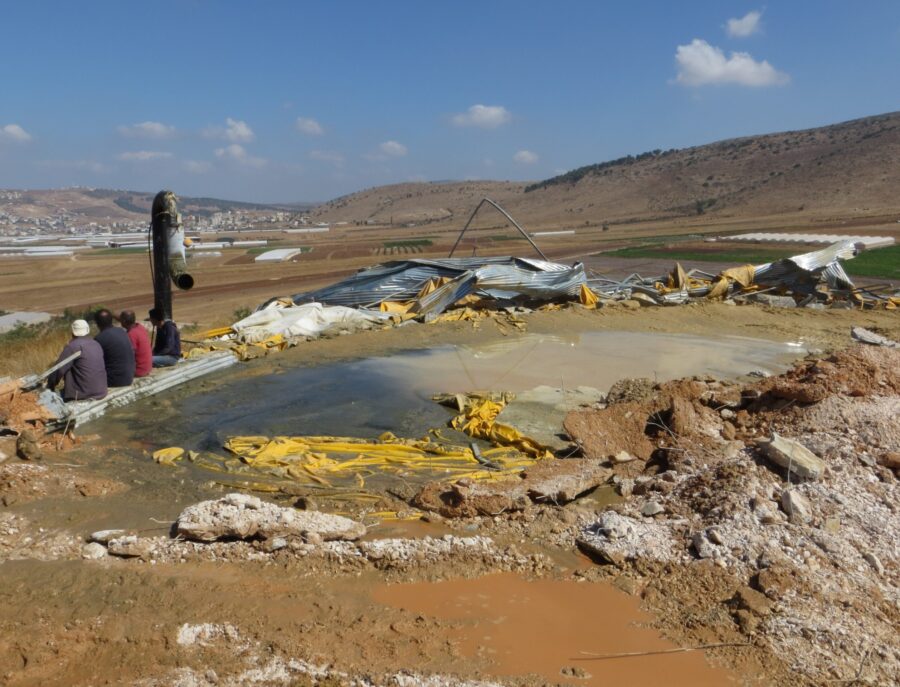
<point x="20" y="410"/>
<point x="22" y="482"/>
<point x="857" y="371"/>
<point x="605" y="433"/>
<point x="547" y="481"/>
<point x="812" y="567"/>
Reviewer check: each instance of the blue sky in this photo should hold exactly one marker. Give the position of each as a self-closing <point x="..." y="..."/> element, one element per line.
<point x="305" y="101"/>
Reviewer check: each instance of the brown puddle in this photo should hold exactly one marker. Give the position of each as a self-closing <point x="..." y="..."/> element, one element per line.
<point x="596" y="359"/>
<point x="520" y="627"/>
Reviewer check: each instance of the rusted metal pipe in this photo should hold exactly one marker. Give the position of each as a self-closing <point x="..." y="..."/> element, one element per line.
<point x="505" y="214"/>
<point x="167" y="235"/>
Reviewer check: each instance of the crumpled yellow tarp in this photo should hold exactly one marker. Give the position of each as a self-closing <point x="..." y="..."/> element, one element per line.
<point x="677" y="278"/>
<point x="587" y="297"/>
<point x="244" y="351"/>
<point x="213" y="333"/>
<point x="403" y="307"/>
<point x="168" y="456"/>
<point x="397" y="307"/>
<point x="323" y="459"/>
<point x="479" y="420"/>
<point x="743" y="275"/>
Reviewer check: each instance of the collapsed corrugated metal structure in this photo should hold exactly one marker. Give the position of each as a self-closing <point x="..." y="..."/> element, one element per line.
<point x="816" y="276"/>
<point x="429" y="287"/>
<point x="502" y="278"/>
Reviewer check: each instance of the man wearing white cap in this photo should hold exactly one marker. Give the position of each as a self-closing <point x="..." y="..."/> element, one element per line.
<point x="85" y="377"/>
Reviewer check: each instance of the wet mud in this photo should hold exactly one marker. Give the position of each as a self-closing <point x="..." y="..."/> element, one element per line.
<point x="240" y="615"/>
<point x="556" y="630"/>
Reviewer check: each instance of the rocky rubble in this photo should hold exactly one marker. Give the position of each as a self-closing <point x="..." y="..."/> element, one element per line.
<point x="259" y="667"/>
<point x="394" y="554"/>
<point x="550" y="480"/>
<point x="239" y="516"/>
<point x="814" y="550"/>
<point x="241" y="527"/>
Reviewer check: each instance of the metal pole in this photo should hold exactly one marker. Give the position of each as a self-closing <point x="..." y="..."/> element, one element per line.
<point x="505" y="214"/>
<point x="160" y="219"/>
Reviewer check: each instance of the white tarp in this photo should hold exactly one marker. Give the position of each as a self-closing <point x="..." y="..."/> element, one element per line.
<point x="309" y="319"/>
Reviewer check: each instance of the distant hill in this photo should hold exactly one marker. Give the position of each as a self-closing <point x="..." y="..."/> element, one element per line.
<point x="848" y="169"/>
<point x="104" y="205"/>
<point x="415" y="202"/>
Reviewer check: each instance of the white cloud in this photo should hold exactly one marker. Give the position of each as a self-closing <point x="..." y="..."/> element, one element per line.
<point x="14" y="132"/>
<point x="483" y="116"/>
<point x="309" y="126"/>
<point x="78" y="165"/>
<point x="328" y="156"/>
<point x="393" y="149"/>
<point x="148" y="130"/>
<point x="525" y="157"/>
<point x="701" y="64"/>
<point x="745" y="26"/>
<point x="237" y="153"/>
<point x="235" y="130"/>
<point x="197" y="166"/>
<point x="143" y="156"/>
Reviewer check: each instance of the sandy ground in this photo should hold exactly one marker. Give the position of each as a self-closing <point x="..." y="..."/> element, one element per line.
<point x="249" y="613"/>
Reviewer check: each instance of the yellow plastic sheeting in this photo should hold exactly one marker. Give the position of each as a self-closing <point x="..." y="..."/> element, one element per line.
<point x="431" y="286"/>
<point x="168" y="456"/>
<point x="587" y="297"/>
<point x="403" y="307"/>
<point x="244" y="351"/>
<point x="324" y="460"/>
<point x="479" y="420"/>
<point x="677" y="278"/>
<point x="460" y="315"/>
<point x="742" y="275"/>
<point x="395" y="307"/>
<point x="214" y="333"/>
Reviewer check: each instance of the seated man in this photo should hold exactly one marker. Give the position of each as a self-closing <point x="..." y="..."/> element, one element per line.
<point x="117" y="351"/>
<point x="85" y="377"/>
<point x="167" y="348"/>
<point x="140" y="342"/>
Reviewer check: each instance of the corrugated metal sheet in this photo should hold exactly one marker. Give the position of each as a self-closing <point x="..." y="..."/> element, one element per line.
<point x="804" y="271"/>
<point x="403" y="280"/>
<point x="79" y="412"/>
<point x="508" y="277"/>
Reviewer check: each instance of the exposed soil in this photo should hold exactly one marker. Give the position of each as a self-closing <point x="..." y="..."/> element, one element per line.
<point x="798" y="594"/>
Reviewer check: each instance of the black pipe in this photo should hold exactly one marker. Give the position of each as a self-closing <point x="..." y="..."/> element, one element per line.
<point x="162" y="215"/>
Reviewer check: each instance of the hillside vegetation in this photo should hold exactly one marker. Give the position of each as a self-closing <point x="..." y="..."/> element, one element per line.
<point x="847" y="170"/>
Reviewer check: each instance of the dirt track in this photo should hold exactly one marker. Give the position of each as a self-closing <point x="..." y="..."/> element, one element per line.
<point x="236" y="614"/>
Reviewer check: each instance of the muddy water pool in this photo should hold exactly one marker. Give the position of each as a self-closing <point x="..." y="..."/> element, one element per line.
<point x="555" y="629"/>
<point x="365" y="398"/>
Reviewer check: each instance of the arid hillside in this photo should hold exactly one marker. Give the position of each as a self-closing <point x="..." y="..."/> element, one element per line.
<point x="104" y="205"/>
<point x="844" y="170"/>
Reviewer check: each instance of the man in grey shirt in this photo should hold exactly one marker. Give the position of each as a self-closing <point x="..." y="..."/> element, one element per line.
<point x="85" y="377"/>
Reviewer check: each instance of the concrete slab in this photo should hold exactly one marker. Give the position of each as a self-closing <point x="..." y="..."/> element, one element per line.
<point x="539" y="413"/>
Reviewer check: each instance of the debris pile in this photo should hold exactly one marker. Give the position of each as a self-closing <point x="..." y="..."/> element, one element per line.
<point x="344" y="467"/>
<point x="549" y="481"/>
<point x="242" y="527"/>
<point x="258" y="665"/>
<point x="239" y="516"/>
<point x="453" y="289"/>
<point x="789" y="488"/>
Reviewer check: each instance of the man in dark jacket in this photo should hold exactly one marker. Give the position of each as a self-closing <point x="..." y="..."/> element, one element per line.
<point x="117" y="351"/>
<point x="85" y="377"/>
<point x="167" y="347"/>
